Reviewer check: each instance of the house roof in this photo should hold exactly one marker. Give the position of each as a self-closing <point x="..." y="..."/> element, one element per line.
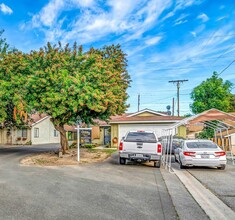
<point x="72" y="128"/>
<point x="100" y="122"/>
<point x="139" y="119"/>
<point x="37" y="118"/>
<point x="148" y="111"/>
<point x="144" y="116"/>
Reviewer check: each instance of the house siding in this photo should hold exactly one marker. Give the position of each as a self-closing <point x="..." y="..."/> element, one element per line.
<point x="114" y="133"/>
<point x="11" y="136"/>
<point x="182" y="131"/>
<point x="46" y="133"/>
<point x="146" y="114"/>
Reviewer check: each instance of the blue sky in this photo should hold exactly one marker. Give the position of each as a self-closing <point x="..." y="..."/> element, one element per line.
<point x="164" y="39"/>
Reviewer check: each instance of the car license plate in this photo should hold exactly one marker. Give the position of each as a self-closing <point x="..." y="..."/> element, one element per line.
<point x="154" y="157"/>
<point x="139" y="155"/>
<point x="205" y="156"/>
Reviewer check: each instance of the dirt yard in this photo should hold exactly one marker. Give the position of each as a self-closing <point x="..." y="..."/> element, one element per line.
<point x="52" y="158"/>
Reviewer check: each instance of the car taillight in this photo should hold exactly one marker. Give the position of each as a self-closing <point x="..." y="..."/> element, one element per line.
<point x="220" y="153"/>
<point x="121" y="146"/>
<point x="189" y="153"/>
<point x="159" y="148"/>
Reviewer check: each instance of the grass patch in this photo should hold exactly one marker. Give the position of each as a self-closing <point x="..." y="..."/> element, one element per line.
<point x="109" y="151"/>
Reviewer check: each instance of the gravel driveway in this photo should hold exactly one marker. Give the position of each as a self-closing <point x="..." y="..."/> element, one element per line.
<point x="96" y="191"/>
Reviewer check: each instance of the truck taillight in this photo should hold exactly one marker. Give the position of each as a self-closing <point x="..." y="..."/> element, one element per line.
<point x="121" y="146"/>
<point x="159" y="148"/>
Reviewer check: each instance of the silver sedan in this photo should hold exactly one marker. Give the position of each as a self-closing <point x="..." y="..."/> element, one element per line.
<point x="200" y="153"/>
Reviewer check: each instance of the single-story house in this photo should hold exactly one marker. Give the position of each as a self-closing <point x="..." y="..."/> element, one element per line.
<point x="40" y="130"/>
<point x="145" y="119"/>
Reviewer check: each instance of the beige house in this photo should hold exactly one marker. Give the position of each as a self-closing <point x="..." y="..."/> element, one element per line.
<point x="143" y="120"/>
<point x="39" y="131"/>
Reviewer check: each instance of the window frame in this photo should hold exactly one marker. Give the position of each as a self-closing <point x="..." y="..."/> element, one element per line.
<point x="36" y="133"/>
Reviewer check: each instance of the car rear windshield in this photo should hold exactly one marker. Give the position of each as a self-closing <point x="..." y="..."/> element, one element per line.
<point x="200" y="144"/>
<point x="141" y="137"/>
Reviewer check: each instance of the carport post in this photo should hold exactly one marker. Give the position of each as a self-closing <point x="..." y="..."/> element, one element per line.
<point x="78" y="142"/>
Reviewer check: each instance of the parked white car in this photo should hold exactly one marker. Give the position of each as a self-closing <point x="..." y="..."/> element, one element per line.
<point x="200" y="153"/>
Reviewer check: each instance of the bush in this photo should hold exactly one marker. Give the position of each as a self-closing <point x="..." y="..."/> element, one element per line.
<point x="90" y="146"/>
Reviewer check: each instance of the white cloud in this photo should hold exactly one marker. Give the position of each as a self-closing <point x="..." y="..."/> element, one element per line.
<point x="203" y="17"/>
<point x="181" y="19"/>
<point x="193" y="33"/>
<point x="153" y="40"/>
<point x="5" y="9"/>
<point x="49" y="14"/>
<point x="84" y="3"/>
<point x="221" y="18"/>
<point x="129" y="19"/>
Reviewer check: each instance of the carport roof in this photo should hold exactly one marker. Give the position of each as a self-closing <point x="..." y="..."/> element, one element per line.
<point x="209" y="115"/>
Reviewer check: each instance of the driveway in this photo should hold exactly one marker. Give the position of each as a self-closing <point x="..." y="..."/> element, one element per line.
<point x="220" y="182"/>
<point x="96" y="191"/>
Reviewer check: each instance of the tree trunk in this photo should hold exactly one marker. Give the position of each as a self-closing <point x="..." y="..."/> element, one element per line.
<point x="63" y="139"/>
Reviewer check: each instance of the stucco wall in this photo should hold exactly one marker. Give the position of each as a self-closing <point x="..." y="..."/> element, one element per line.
<point x="182" y="131"/>
<point x="114" y="133"/>
<point x="11" y="136"/>
<point x="46" y="133"/>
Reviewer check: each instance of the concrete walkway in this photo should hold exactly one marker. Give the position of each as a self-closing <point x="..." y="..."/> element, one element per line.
<point x="212" y="205"/>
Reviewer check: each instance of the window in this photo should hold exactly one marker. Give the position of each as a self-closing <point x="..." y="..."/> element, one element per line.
<point x="56" y="133"/>
<point x="24" y="133"/>
<point x="141" y="136"/>
<point x="200" y="144"/>
<point x="36" y="132"/>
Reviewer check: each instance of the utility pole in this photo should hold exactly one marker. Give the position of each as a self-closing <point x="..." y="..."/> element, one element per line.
<point x="138" y="102"/>
<point x="173" y="106"/>
<point x="178" y="82"/>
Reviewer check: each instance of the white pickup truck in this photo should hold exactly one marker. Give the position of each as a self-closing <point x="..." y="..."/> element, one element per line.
<point x="140" y="146"/>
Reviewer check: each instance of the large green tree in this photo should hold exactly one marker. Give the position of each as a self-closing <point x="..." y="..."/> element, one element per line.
<point x="214" y="92"/>
<point x="12" y="78"/>
<point x="69" y="84"/>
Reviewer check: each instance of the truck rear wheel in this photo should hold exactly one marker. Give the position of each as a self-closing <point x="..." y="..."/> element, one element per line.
<point x="122" y="161"/>
<point x="157" y="164"/>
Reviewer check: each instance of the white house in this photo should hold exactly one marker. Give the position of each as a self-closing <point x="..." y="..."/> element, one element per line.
<point x="43" y="131"/>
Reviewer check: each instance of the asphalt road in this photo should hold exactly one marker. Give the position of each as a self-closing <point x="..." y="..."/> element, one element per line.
<point x="220" y="182"/>
<point x="97" y="191"/>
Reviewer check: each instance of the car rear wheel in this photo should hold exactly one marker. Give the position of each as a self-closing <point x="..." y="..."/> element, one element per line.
<point x="181" y="165"/>
<point x="157" y="164"/>
<point x="122" y="161"/>
<point x="222" y="167"/>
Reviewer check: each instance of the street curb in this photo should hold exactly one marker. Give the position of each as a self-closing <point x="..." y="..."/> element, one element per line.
<point x="212" y="205"/>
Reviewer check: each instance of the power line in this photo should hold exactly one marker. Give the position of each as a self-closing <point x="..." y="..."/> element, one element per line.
<point x="226" y="67"/>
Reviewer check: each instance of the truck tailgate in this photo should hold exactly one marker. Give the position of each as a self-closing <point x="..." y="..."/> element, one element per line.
<point x="140" y="147"/>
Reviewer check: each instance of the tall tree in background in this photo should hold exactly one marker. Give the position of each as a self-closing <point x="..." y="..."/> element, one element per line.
<point x="212" y="93"/>
<point x="12" y="69"/>
<point x="69" y="84"/>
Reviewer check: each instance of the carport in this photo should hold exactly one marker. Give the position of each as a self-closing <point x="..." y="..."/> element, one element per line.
<point x="221" y="122"/>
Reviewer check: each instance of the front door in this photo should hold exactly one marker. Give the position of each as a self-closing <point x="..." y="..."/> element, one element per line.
<point x="107" y="135"/>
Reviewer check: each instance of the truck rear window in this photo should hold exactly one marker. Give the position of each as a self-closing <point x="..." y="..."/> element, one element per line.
<point x="141" y="137"/>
